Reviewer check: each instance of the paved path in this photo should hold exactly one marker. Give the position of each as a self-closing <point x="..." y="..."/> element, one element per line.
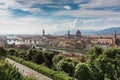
<point x="27" y="71"/>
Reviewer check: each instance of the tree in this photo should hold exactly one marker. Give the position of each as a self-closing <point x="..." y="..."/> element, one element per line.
<point x="30" y="53"/>
<point x="92" y="55"/>
<point x="94" y="52"/>
<point x="56" y="59"/>
<point x="3" y="52"/>
<point x="83" y="72"/>
<point x="38" y="57"/>
<point x="11" y="51"/>
<point x="48" y="56"/>
<point x="67" y="65"/>
<point x="106" y="65"/>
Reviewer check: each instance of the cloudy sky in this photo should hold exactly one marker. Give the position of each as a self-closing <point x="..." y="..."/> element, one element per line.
<point x="31" y="16"/>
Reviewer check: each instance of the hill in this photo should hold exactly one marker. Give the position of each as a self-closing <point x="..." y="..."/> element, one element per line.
<point x="86" y="32"/>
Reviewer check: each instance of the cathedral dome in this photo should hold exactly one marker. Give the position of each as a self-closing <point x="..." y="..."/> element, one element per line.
<point x="78" y="32"/>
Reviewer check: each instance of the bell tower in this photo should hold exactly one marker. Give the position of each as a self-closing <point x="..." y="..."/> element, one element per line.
<point x="43" y="32"/>
<point x="114" y="37"/>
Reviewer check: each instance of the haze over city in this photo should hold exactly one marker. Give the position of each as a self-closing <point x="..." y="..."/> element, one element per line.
<point x="31" y="17"/>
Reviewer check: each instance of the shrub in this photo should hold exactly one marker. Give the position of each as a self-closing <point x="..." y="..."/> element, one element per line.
<point x="9" y="72"/>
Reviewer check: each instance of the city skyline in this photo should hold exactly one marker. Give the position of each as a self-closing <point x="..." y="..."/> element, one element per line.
<point x="31" y="17"/>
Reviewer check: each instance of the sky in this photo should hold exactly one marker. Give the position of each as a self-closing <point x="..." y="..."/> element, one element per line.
<point x="32" y="16"/>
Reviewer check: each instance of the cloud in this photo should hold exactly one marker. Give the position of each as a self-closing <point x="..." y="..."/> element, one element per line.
<point x="32" y="10"/>
<point x="67" y="7"/>
<point x="65" y="15"/>
<point x="101" y="4"/>
<point x="27" y="6"/>
<point x="31" y="2"/>
<point x="70" y="24"/>
<point x="80" y="1"/>
<point x="22" y="5"/>
<point x="90" y="21"/>
<point x="4" y="5"/>
<point x="5" y="13"/>
<point x="34" y="25"/>
<point x="86" y="24"/>
<point x="89" y="13"/>
<point x="29" y="25"/>
<point x="53" y="6"/>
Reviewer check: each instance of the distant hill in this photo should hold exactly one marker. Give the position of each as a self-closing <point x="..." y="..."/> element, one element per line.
<point x="109" y="31"/>
<point x="104" y="31"/>
<point x="74" y="32"/>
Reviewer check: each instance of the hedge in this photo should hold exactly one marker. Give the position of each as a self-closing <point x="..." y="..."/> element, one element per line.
<point x="55" y="75"/>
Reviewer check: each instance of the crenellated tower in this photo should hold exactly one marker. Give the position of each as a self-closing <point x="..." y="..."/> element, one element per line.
<point x="43" y="32"/>
<point x="114" y="37"/>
